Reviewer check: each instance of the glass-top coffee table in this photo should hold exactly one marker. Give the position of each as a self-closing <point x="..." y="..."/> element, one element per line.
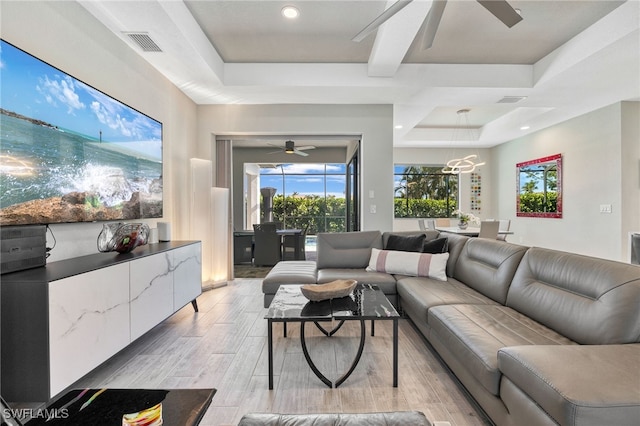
<point x="367" y="302"/>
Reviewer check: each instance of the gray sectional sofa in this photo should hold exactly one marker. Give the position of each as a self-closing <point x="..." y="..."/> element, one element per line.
<point x="536" y="336"/>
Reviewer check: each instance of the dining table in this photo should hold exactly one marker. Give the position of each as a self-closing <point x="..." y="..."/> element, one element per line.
<point x="281" y="232"/>
<point x="470" y="231"/>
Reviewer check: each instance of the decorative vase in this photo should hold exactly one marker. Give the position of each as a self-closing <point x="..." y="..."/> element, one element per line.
<point x="463" y="225"/>
<point x="122" y="237"/>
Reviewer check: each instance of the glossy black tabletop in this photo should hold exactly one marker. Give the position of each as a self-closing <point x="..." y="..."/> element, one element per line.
<point x="366" y="302"/>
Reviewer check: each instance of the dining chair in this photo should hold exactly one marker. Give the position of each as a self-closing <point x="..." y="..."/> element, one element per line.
<point x="505" y="224"/>
<point x="431" y="224"/>
<point x="267" y="249"/>
<point x="242" y="248"/>
<point x="421" y="224"/>
<point x="293" y="245"/>
<point x="489" y="229"/>
<point x="443" y="222"/>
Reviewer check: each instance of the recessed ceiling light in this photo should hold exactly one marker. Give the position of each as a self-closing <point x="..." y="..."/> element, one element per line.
<point x="399" y="126"/>
<point x="290" y="12"/>
<point x="525" y="127"/>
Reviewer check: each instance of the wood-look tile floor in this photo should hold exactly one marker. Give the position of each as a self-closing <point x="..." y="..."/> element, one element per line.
<point x="224" y="346"/>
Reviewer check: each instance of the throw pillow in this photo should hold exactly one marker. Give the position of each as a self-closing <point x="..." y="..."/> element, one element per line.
<point x="407" y="263"/>
<point x="439" y="245"/>
<point x="405" y="243"/>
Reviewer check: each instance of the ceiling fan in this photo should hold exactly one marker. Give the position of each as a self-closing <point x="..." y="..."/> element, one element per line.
<point x="290" y="148"/>
<point x="501" y="9"/>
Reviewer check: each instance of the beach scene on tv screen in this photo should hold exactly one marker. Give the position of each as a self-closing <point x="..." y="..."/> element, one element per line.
<point x="70" y="153"/>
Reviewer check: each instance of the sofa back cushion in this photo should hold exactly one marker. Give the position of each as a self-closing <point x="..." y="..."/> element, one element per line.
<point x="455" y="243"/>
<point x="488" y="266"/>
<point x="589" y="300"/>
<point x="346" y="249"/>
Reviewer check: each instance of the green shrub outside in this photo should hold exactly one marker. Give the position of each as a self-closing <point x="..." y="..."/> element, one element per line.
<point x="415" y="208"/>
<point x="535" y="202"/>
<point x="319" y="213"/>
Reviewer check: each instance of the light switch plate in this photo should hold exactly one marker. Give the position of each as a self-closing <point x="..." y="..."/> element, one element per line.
<point x="605" y="208"/>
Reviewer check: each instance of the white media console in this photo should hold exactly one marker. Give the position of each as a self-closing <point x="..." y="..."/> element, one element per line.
<point x="61" y="321"/>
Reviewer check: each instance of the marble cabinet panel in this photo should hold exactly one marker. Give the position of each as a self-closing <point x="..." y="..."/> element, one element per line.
<point x="88" y="322"/>
<point x="151" y="292"/>
<point x="187" y="277"/>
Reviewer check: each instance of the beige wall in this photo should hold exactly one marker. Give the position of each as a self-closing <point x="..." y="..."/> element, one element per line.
<point x="66" y="36"/>
<point x="373" y="122"/>
<point x="600" y="166"/>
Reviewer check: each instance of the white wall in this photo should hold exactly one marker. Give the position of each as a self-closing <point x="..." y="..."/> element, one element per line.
<point x="631" y="177"/>
<point x="373" y="122"/>
<point x="592" y="147"/>
<point x="66" y="36"/>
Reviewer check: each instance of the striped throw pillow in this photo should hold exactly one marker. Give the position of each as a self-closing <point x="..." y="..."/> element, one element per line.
<point x="409" y="263"/>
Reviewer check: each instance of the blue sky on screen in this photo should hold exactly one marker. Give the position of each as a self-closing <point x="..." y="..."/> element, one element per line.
<point x="306" y="179"/>
<point x="37" y="90"/>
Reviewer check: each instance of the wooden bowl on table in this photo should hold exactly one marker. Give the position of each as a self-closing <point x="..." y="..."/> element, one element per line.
<point x="330" y="290"/>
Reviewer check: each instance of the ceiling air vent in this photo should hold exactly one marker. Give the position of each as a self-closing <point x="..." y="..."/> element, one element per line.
<point x="145" y="42"/>
<point x="511" y="99"/>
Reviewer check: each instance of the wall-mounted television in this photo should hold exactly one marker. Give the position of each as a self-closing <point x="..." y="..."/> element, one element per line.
<point x="69" y="152"/>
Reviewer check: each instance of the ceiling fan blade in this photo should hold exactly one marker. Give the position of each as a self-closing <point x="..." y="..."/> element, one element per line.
<point x="301" y="153"/>
<point x="432" y="23"/>
<point x="502" y="10"/>
<point x="305" y="148"/>
<point x="381" y="19"/>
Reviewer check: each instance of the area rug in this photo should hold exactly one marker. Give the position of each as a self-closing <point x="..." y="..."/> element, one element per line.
<point x="250" y="271"/>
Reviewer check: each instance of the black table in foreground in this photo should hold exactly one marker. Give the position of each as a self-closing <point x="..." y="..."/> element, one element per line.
<point x="367" y="302"/>
<point x="184" y="407"/>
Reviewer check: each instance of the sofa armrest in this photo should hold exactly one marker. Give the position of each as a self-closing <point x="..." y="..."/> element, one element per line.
<point x="578" y="384"/>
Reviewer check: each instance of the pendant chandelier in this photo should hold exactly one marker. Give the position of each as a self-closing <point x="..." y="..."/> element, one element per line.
<point x="468" y="164"/>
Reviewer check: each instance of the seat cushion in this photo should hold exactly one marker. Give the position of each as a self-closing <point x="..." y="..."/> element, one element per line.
<point x="473" y="335"/>
<point x="289" y="272"/>
<point x="578" y="384"/>
<point x="419" y="294"/>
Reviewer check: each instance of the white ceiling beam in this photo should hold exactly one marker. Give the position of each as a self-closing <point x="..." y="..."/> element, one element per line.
<point x="415" y="76"/>
<point x="187" y="59"/>
<point x="618" y="24"/>
<point x="394" y="38"/>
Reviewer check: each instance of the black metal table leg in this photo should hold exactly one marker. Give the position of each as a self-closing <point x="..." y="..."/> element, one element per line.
<point x="329" y="333"/>
<point x="270" y="344"/>
<point x="308" y="358"/>
<point x="363" y="333"/>
<point x="195" y="305"/>
<point x="284" y="329"/>
<point x="395" y="352"/>
<point x="373" y="328"/>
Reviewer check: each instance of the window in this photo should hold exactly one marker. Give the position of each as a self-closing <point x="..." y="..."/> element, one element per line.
<point x="308" y="195"/>
<point x="424" y="191"/>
